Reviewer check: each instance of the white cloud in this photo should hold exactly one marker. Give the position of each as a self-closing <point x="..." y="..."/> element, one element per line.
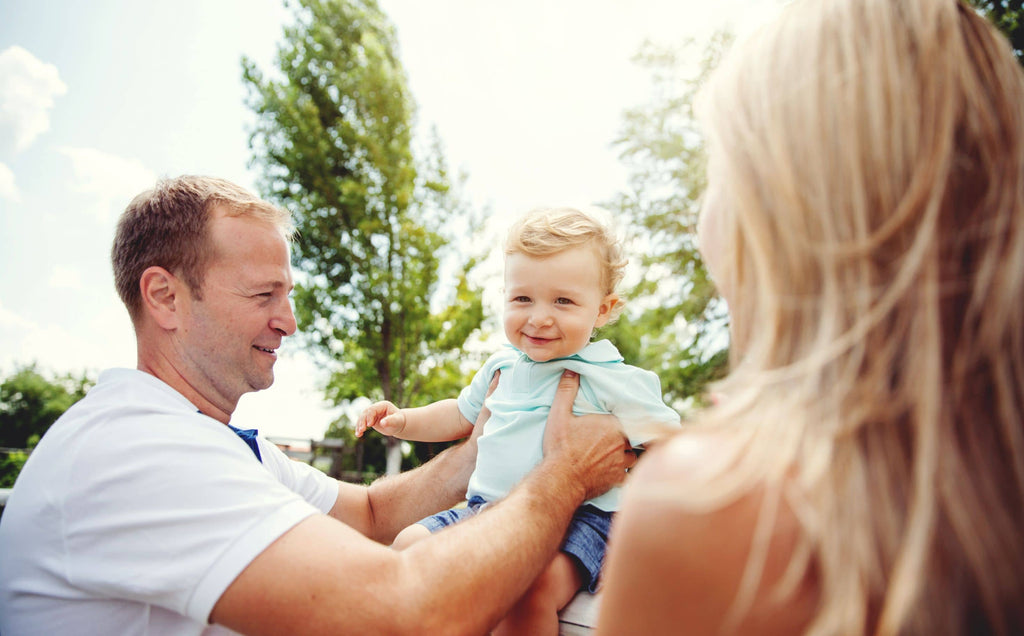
<point x="8" y="189"/>
<point x="25" y="341"/>
<point x="110" y="180"/>
<point x="28" y="87"/>
<point x="107" y="341"/>
<point x="11" y="321"/>
<point x="65" y="277"/>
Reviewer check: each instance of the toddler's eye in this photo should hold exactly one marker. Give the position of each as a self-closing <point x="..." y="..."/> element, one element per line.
<point x="521" y="299"/>
<point x="563" y="301"/>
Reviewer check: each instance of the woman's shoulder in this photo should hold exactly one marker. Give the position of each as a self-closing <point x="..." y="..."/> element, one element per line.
<point x="689" y="456"/>
<point x="677" y="557"/>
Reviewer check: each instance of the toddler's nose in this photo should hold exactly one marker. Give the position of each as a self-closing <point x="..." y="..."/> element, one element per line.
<point x="540" y="318"/>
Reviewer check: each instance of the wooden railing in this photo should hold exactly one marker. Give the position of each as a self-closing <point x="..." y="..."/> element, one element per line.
<point x="326" y="454"/>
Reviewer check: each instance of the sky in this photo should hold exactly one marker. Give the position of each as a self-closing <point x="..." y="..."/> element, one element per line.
<point x="99" y="99"/>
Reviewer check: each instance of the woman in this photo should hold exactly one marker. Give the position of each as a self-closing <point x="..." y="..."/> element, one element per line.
<point x="864" y="470"/>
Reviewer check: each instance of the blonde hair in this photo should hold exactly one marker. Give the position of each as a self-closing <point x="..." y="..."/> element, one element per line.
<point x="167" y="226"/>
<point x="867" y="162"/>
<point x="547" y="231"/>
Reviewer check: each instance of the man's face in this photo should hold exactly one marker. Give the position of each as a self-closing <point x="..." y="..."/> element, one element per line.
<point x="230" y="338"/>
<point x="553" y="304"/>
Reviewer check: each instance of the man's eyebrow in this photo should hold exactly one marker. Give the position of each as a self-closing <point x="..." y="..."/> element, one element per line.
<point x="273" y="284"/>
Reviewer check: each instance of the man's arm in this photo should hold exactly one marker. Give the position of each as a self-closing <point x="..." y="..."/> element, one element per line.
<point x="322" y="576"/>
<point x="393" y="502"/>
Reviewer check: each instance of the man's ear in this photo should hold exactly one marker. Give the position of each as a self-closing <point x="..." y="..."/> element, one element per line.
<point x="162" y="294"/>
<point x="604" y="310"/>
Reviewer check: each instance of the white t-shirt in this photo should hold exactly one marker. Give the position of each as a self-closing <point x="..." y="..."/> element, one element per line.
<point x="135" y="512"/>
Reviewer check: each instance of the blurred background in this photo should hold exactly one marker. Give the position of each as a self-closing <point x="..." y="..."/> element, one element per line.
<point x="403" y="135"/>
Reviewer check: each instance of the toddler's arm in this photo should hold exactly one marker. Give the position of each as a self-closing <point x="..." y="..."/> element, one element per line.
<point x="438" y="422"/>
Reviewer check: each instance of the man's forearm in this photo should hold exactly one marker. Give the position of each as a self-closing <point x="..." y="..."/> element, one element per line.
<point x="322" y="577"/>
<point x="462" y="580"/>
<point x="490" y="560"/>
<point x="396" y="501"/>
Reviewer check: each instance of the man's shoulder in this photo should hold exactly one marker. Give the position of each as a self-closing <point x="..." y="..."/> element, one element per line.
<point x="126" y="413"/>
<point x="137" y="388"/>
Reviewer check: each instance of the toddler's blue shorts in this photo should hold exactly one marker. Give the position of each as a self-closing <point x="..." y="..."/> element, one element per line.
<point x="585" y="540"/>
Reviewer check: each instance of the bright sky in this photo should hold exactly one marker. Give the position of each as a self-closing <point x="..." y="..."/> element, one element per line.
<point x="98" y="99"/>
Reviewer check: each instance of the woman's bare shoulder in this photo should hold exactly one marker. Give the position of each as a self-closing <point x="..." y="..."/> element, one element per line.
<point x="671" y="565"/>
<point x="687" y="456"/>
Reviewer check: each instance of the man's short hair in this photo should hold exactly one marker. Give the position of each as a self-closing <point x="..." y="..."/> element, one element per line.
<point x="167" y="226"/>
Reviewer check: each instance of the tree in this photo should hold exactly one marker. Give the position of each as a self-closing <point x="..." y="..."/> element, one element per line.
<point x="679" y="330"/>
<point x="29" y="404"/>
<point x="358" y="458"/>
<point x="1008" y="16"/>
<point x="334" y="141"/>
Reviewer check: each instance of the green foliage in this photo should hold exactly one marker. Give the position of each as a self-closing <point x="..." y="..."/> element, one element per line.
<point x="1008" y="16"/>
<point x="680" y="330"/>
<point x="366" y="455"/>
<point x="334" y="141"/>
<point x="11" y="464"/>
<point x="29" y="403"/>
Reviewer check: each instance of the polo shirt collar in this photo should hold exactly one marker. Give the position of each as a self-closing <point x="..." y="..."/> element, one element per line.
<point x="595" y="352"/>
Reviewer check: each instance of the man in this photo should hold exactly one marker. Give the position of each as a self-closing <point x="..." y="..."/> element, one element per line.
<point x="143" y="511"/>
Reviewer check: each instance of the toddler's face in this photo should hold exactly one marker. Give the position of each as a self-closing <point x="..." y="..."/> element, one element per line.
<point x="554" y="303"/>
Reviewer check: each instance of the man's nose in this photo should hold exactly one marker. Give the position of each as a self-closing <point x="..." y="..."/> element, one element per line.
<point x="283" y="320"/>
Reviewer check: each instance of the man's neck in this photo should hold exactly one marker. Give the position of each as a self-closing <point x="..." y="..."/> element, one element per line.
<point x="169" y="375"/>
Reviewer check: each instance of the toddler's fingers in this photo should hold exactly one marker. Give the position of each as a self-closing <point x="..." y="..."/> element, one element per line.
<point x="362" y="424"/>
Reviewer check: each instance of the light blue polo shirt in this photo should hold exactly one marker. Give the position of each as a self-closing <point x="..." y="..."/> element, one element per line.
<point x="512" y="441"/>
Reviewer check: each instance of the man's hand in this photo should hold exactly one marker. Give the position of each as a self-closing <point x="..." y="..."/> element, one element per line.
<point x="592" y="447"/>
<point x="383" y="416"/>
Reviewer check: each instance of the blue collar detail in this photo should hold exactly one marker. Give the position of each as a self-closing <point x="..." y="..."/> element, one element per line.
<point x="248" y="436"/>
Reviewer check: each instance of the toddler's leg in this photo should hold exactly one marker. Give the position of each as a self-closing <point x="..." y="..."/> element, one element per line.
<point x="410" y="535"/>
<point x="537" y="611"/>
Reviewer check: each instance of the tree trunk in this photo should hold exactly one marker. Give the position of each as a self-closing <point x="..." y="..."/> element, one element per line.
<point x="394" y="462"/>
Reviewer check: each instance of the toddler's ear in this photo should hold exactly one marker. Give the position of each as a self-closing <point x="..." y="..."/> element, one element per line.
<point x="604" y="310"/>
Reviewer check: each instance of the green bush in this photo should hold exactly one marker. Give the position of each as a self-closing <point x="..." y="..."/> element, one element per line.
<point x="10" y="465"/>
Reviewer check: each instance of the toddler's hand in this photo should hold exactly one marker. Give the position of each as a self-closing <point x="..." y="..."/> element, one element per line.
<point x="383" y="416"/>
